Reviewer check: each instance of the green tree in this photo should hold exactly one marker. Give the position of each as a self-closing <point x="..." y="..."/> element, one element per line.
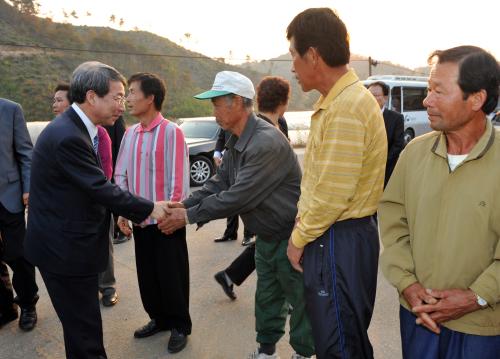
<point x="28" y="7"/>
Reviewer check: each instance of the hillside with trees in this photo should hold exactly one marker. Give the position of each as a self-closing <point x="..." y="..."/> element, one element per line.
<point x="37" y="53"/>
<point x="50" y="51"/>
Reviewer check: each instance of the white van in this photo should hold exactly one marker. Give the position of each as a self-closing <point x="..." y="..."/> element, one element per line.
<point x="406" y="96"/>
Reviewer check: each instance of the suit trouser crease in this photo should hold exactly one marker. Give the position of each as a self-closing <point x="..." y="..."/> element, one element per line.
<point x="278" y="285"/>
<point x="13" y="231"/>
<point x="76" y="302"/>
<point x="244" y="265"/>
<point x="340" y="277"/>
<point x="163" y="276"/>
<point x="232" y="225"/>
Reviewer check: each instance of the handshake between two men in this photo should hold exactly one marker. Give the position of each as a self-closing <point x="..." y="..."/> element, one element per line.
<point x="170" y="216"/>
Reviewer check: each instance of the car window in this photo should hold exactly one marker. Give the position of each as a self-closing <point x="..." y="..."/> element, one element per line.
<point x="413" y="98"/>
<point x="199" y="129"/>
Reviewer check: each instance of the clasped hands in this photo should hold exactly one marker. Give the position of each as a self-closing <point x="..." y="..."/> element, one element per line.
<point x="170" y="216"/>
<point x="434" y="307"/>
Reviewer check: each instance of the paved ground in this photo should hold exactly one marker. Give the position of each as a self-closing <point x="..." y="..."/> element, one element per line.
<point x="222" y="329"/>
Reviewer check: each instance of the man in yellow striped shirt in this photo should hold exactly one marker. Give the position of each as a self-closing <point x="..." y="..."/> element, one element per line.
<point x="335" y="240"/>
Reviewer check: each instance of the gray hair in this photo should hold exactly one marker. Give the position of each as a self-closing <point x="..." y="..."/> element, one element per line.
<point x="247" y="102"/>
<point x="95" y="76"/>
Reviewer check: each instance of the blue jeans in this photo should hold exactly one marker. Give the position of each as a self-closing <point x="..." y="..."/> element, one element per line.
<point x="420" y="343"/>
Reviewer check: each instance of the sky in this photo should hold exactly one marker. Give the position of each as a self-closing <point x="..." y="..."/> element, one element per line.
<point x="401" y="31"/>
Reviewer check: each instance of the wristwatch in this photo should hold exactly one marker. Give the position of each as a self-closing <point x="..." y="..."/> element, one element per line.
<point x="481" y="301"/>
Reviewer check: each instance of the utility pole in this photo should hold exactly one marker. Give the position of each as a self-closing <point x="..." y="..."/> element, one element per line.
<point x="371" y="62"/>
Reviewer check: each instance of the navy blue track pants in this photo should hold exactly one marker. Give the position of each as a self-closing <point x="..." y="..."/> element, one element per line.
<point x="420" y="343"/>
<point x="340" y="278"/>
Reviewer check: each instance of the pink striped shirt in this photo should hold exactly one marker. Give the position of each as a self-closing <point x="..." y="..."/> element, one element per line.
<point x="153" y="162"/>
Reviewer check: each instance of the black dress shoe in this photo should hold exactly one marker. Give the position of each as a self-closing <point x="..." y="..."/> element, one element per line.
<point x="177" y="341"/>
<point x="220" y="277"/>
<point x="121" y="238"/>
<point x="108" y="300"/>
<point x="224" y="239"/>
<point x="148" y="330"/>
<point x="8" y="316"/>
<point x="246" y="241"/>
<point x="28" y="318"/>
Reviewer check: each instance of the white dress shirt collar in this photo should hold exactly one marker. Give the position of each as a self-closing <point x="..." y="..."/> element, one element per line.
<point x="91" y="128"/>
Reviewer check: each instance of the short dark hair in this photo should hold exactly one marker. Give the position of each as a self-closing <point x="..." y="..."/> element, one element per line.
<point x="62" y="86"/>
<point x="382" y="85"/>
<point x="151" y="84"/>
<point x="322" y="29"/>
<point x="95" y="76"/>
<point x="477" y="70"/>
<point x="272" y="92"/>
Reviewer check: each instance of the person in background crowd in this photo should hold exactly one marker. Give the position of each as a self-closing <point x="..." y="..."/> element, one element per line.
<point x="394" y="127"/>
<point x="61" y="98"/>
<point x="439" y="219"/>
<point x="116" y="132"/>
<point x="231" y="232"/>
<point x="335" y="239"/>
<point x="15" y="163"/>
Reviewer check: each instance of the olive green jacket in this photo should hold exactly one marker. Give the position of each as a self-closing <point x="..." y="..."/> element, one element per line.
<point x="442" y="228"/>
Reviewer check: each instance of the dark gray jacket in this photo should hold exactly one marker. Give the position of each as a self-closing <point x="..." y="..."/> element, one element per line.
<point x="15" y="156"/>
<point x="259" y="179"/>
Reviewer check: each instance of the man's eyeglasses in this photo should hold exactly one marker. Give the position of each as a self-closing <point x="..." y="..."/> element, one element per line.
<point x="120" y="99"/>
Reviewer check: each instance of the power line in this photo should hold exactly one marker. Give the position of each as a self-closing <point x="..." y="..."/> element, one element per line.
<point x="43" y="47"/>
<point x="129" y="53"/>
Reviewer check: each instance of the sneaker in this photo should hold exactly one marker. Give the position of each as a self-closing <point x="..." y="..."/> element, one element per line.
<point x="298" y="356"/>
<point x="257" y="355"/>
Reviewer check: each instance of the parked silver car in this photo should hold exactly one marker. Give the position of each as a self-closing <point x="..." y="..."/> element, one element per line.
<point x="201" y="135"/>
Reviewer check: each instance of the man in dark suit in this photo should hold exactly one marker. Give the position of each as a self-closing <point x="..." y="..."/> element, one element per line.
<point x="70" y="204"/>
<point x="15" y="163"/>
<point x="394" y="127"/>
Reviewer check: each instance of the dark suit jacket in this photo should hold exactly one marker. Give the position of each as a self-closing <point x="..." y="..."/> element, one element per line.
<point x="15" y="156"/>
<point x="70" y="200"/>
<point x="394" y="127"/>
<point x="222" y="139"/>
<point x="116" y="133"/>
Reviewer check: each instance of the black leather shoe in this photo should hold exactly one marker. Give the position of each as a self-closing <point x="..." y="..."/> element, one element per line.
<point x="220" y="277"/>
<point x="224" y="239"/>
<point x="177" y="342"/>
<point x="8" y="316"/>
<point x="108" y="300"/>
<point x="148" y="330"/>
<point x="246" y="241"/>
<point x="28" y="318"/>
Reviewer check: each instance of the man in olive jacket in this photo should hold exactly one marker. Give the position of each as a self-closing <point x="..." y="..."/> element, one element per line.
<point x="439" y="216"/>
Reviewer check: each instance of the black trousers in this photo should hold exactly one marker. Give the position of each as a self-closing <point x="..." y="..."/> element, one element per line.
<point x="163" y="275"/>
<point x="13" y="230"/>
<point x="76" y="302"/>
<point x="242" y="266"/>
<point x="340" y="278"/>
<point x="232" y="228"/>
<point x="6" y="292"/>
